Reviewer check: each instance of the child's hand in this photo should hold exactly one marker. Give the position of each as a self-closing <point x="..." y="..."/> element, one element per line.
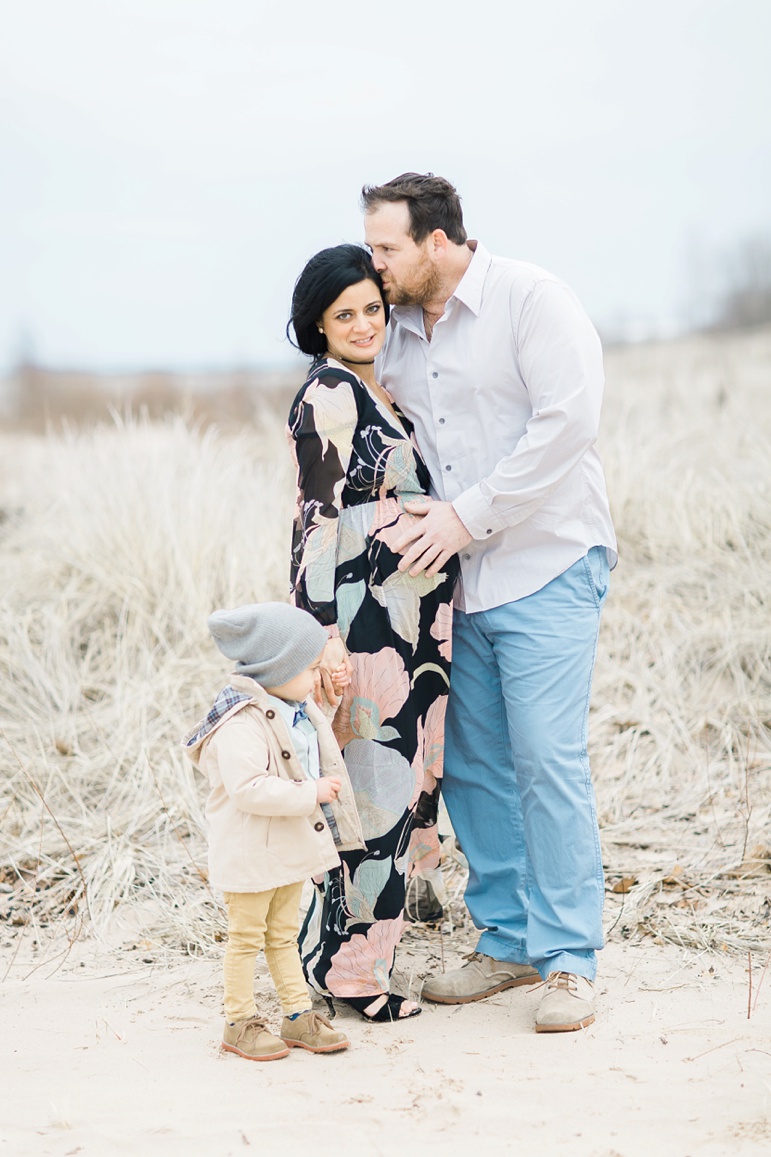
<point x="341" y="677"/>
<point x="335" y="673"/>
<point x="327" y="789"/>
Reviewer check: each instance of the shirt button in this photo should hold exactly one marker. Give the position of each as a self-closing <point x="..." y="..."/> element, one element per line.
<point x="319" y="826"/>
<point x="441" y="421"/>
<point x="448" y="467"/>
<point x="286" y="755"/>
<point x="434" y="374"/>
<point x="467" y="557"/>
<point x="270" y="713"/>
<point x="488" y="532"/>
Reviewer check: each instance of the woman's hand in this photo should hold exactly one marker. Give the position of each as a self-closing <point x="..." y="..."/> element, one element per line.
<point x="334" y="673"/>
<point x="327" y="789"/>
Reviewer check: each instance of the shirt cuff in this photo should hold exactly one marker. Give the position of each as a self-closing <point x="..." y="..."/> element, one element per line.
<point x="476" y="513"/>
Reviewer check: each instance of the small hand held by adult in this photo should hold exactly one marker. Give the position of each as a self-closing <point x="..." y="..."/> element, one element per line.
<point x="327" y="789"/>
<point x="335" y="673"/>
<point x="428" y="543"/>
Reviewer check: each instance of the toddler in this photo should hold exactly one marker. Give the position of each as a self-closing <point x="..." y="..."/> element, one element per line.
<point x="279" y="808"/>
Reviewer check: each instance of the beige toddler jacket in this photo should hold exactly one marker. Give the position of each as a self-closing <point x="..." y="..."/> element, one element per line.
<point x="265" y="827"/>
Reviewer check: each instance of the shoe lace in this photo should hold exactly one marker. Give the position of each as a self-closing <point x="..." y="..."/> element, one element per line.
<point x="251" y="1028"/>
<point x="314" y="1020"/>
<point x="566" y="980"/>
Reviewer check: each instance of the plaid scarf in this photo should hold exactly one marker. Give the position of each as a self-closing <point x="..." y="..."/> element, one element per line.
<point x="225" y="701"/>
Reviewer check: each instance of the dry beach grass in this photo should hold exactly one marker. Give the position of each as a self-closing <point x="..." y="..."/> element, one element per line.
<point x="119" y="540"/>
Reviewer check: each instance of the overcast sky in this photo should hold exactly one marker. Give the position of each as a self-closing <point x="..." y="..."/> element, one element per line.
<point x="167" y="166"/>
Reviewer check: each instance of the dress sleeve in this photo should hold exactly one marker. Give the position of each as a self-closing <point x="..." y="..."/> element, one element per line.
<point x="321" y="428"/>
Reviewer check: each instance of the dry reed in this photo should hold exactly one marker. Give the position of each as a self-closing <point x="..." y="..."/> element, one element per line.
<point x="118" y="541"/>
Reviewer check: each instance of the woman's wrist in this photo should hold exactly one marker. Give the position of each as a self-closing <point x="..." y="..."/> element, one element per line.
<point x="335" y="650"/>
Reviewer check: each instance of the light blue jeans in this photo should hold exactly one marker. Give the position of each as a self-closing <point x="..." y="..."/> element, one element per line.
<point x="516" y="775"/>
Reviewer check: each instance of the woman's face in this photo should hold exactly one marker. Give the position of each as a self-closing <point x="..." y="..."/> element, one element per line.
<point x="354" y="325"/>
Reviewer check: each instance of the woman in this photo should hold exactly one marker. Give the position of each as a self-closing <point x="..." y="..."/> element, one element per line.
<point x="356" y="466"/>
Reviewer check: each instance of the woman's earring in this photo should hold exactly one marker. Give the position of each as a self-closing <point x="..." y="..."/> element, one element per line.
<point x="318" y="327"/>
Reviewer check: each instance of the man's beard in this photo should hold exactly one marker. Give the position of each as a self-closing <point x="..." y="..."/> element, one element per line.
<point x="424" y="287"/>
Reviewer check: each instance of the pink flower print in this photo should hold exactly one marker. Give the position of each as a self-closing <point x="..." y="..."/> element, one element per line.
<point x="417" y="766"/>
<point x="362" y="966"/>
<point x="433" y="738"/>
<point x="381" y="679"/>
<point x="378" y="690"/>
<point x="441" y="630"/>
<point x="428" y="763"/>
<point x="425" y="851"/>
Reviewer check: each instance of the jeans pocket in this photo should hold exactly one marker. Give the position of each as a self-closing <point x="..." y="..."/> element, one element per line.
<point x="598" y="572"/>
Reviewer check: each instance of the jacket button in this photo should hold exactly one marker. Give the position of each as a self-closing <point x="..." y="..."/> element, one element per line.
<point x="270" y="713"/>
<point x="319" y="826"/>
<point x="286" y="755"/>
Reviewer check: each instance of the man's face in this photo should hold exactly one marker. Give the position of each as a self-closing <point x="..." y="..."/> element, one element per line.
<point x="409" y="275"/>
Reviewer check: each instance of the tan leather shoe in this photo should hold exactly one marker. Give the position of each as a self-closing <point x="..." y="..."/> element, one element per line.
<point x="567" y="1003"/>
<point x="312" y="1031"/>
<point x="480" y="977"/>
<point x="251" y="1039"/>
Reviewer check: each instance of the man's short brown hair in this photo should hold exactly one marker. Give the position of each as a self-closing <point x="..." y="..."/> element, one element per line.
<point x="433" y="203"/>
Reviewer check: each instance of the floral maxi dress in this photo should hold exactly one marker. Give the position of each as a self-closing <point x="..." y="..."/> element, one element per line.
<point x="356" y="467"/>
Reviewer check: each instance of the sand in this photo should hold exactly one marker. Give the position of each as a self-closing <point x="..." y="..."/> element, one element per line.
<point x="118" y="1053"/>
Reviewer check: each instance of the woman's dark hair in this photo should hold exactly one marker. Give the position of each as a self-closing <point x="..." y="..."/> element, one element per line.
<point x="432" y="201"/>
<point x="321" y="282"/>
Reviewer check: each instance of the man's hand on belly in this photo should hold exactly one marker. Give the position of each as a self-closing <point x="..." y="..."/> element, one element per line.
<point x="429" y="542"/>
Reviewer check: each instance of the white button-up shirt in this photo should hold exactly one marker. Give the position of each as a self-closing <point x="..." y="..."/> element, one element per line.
<point x="303" y="735"/>
<point x="505" y="401"/>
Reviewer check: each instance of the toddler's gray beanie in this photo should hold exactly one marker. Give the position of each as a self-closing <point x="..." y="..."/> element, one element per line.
<point x="272" y="642"/>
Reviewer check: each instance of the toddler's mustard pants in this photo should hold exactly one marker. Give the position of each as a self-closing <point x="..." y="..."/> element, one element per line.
<point x="268" y="920"/>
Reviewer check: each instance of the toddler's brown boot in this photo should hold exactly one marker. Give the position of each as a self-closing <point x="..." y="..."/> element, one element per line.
<point x="252" y="1040"/>
<point x="312" y="1031"/>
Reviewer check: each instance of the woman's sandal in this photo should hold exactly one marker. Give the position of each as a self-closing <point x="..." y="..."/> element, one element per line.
<point x="385" y="1015"/>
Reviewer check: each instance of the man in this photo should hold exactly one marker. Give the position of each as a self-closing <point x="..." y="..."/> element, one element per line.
<point x="500" y="371"/>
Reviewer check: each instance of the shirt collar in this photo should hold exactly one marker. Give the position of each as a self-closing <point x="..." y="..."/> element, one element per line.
<point x="468" y="291"/>
<point x="286" y="709"/>
<point x="408" y="316"/>
<point x="469" y="288"/>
